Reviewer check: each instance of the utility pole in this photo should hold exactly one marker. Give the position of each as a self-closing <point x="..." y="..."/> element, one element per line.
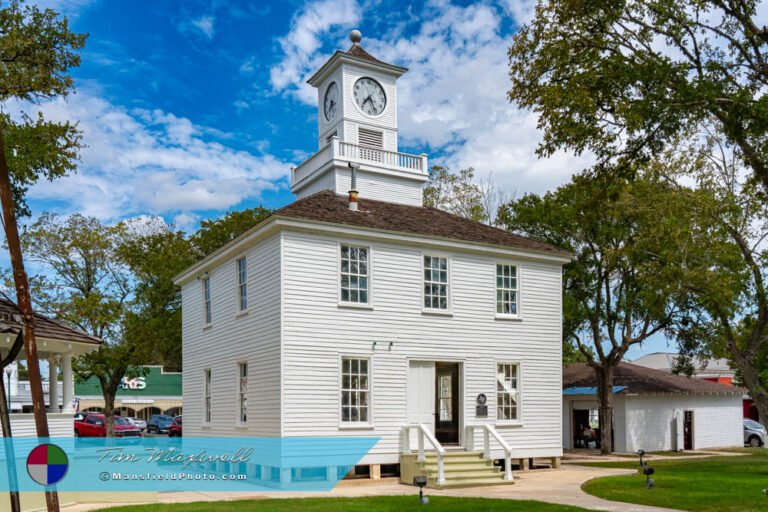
<point x="24" y="300"/>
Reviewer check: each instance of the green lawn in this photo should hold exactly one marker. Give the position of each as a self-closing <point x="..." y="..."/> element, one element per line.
<point x="374" y="504"/>
<point x="716" y="484"/>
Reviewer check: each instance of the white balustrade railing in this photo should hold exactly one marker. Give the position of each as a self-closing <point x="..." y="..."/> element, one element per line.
<point x="339" y="150"/>
<point x="424" y="433"/>
<point x="488" y="432"/>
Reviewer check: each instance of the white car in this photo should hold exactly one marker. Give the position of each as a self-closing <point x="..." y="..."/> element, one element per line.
<point x="138" y="422"/>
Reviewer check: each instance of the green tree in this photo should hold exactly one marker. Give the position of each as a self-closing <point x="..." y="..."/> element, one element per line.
<point x="88" y="287"/>
<point x="215" y="233"/>
<point x="37" y="49"/>
<point x="458" y="193"/>
<point x="729" y="292"/>
<point x="618" y="289"/>
<point x="154" y="258"/>
<point x="623" y="79"/>
<point x="454" y="193"/>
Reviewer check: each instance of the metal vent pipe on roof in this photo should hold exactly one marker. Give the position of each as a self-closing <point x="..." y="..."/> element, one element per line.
<point x="353" y="194"/>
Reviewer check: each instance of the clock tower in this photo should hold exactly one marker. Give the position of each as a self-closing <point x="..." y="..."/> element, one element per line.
<point x="357" y="129"/>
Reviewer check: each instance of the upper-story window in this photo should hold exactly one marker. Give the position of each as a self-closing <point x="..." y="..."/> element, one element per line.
<point x="207" y="299"/>
<point x="507" y="297"/>
<point x="354" y="274"/>
<point x="242" y="283"/>
<point x="436" y="283"/>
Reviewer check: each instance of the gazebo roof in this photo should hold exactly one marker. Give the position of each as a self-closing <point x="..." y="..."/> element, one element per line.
<point x="55" y="336"/>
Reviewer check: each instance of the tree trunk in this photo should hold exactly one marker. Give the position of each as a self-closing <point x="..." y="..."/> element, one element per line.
<point x="109" y="411"/>
<point x="604" y="374"/>
<point x="10" y="455"/>
<point x="755" y="385"/>
<point x="25" y="306"/>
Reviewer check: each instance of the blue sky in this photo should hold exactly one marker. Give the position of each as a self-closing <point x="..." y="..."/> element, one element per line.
<point x="193" y="108"/>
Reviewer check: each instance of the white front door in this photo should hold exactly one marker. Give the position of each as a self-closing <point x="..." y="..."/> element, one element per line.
<point x="421" y="393"/>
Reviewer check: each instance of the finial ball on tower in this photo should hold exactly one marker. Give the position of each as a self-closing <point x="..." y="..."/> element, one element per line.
<point x="355" y="36"/>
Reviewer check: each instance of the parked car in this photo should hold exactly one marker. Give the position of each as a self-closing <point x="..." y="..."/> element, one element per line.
<point x="175" y="429"/>
<point x="159" y="424"/>
<point x="138" y="422"/>
<point x="93" y="424"/>
<point x="754" y="433"/>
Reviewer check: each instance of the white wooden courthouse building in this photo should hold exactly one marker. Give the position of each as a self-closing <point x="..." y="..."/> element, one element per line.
<point x="356" y="311"/>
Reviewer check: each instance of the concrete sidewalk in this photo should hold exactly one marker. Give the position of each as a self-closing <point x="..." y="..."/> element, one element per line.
<point x="561" y="486"/>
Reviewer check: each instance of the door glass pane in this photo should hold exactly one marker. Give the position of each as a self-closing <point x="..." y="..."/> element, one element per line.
<point x="446" y="412"/>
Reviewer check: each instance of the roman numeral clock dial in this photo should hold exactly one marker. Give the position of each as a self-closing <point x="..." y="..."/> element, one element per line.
<point x="331" y="102"/>
<point x="369" y="96"/>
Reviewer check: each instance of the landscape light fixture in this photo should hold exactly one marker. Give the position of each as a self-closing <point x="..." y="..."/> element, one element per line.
<point x="421" y="481"/>
<point x="647" y="471"/>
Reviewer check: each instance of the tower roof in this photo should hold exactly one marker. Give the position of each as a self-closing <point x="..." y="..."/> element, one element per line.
<point x="355" y="54"/>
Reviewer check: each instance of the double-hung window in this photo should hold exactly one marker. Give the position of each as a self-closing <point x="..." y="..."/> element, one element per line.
<point x="242" y="283"/>
<point x="207" y="396"/>
<point x="243" y="394"/>
<point x="207" y="300"/>
<point x="507" y="391"/>
<point x="436" y="283"/>
<point x="507" y="292"/>
<point x="355" y="390"/>
<point x="354" y="274"/>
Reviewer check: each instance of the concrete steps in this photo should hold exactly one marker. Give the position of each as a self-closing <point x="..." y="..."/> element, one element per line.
<point x="462" y="469"/>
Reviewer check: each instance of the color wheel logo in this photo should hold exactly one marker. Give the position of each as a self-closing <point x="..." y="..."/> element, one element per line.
<point x="47" y="464"/>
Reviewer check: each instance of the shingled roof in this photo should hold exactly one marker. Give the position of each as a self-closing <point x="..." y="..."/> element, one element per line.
<point x="358" y="51"/>
<point x="327" y="206"/>
<point x="10" y="321"/>
<point x="639" y="380"/>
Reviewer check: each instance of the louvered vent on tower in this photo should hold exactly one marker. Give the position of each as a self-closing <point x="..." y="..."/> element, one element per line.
<point x="370" y="138"/>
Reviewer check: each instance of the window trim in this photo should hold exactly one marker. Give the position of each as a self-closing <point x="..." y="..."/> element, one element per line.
<point x="207" y="397"/>
<point x="354" y="305"/>
<point x="351" y="425"/>
<point x="240" y="310"/>
<point x="422" y="281"/>
<point x="239" y="418"/>
<point x="519" y="420"/>
<point x="205" y="283"/>
<point x="504" y="316"/>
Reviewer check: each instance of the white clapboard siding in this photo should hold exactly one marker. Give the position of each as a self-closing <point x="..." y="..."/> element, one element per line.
<point x="326" y="181"/>
<point x="317" y="332"/>
<point x="381" y="187"/>
<point x="59" y="425"/>
<point x="717" y="421"/>
<point x="232" y="338"/>
<point x="387" y="121"/>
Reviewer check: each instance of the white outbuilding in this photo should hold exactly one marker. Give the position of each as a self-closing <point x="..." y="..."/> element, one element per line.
<point x="653" y="410"/>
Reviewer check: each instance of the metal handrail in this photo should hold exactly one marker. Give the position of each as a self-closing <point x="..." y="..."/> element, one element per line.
<point x="423" y="431"/>
<point x="489" y="431"/>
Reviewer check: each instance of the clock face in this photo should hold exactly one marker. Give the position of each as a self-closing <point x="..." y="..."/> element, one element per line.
<point x="331" y="102"/>
<point x="369" y="96"/>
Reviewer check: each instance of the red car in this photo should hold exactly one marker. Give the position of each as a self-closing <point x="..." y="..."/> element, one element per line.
<point x="93" y="424"/>
<point x="175" y="429"/>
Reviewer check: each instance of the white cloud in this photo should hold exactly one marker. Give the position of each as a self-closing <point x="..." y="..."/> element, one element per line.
<point x="309" y="27"/>
<point x="521" y="10"/>
<point x="69" y="8"/>
<point x="453" y="99"/>
<point x="205" y="25"/>
<point x="152" y="162"/>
